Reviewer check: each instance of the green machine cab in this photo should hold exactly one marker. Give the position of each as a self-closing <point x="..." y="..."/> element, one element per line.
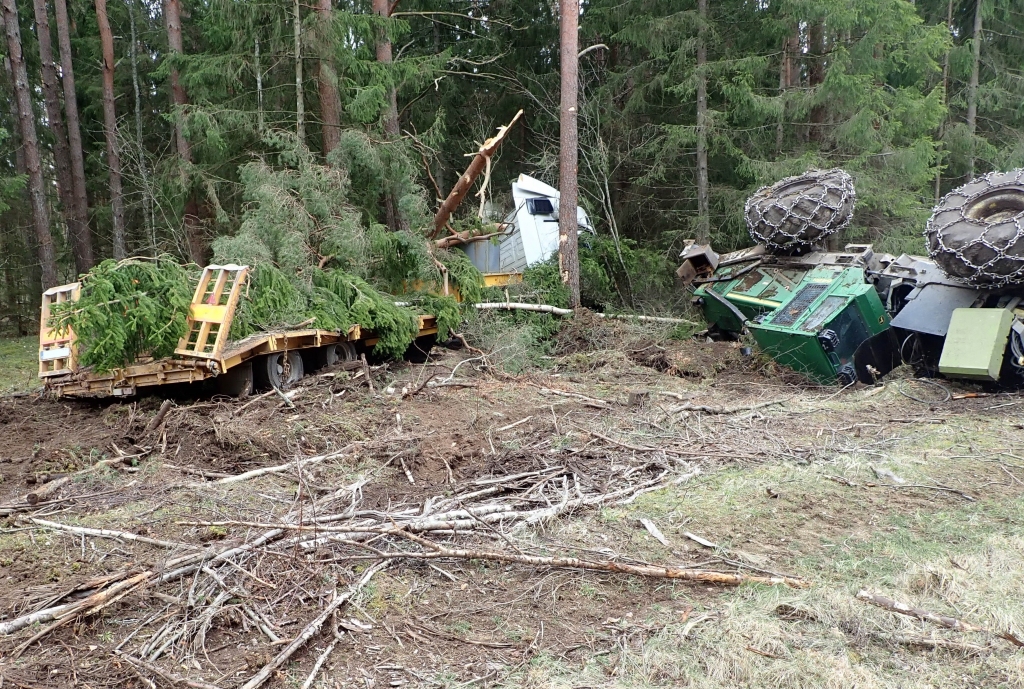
<point x="819" y="327"/>
<point x="807" y="312"/>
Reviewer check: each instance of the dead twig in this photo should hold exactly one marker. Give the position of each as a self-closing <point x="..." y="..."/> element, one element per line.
<point x="311" y="629"/>
<point x="462" y="338"/>
<point x="436" y="550"/>
<point x="588" y="401"/>
<point x="727" y="410"/>
<point x="167" y="675"/>
<point x="109" y="533"/>
<point x="277" y="469"/>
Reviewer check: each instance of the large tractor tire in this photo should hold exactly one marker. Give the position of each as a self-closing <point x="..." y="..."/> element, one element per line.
<point x="976" y="233"/>
<point x="799" y="211"/>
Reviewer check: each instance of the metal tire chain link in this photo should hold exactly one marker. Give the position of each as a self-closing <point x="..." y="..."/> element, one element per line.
<point x="786" y="221"/>
<point x="983" y="253"/>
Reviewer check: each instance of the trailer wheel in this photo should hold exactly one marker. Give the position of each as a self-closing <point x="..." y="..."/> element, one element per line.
<point x="278" y="370"/>
<point x="976" y="233"/>
<point x="798" y="211"/>
<point x="328" y="355"/>
<point x="237" y="382"/>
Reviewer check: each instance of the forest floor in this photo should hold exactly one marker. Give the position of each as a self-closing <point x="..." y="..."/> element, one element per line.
<point x="732" y="467"/>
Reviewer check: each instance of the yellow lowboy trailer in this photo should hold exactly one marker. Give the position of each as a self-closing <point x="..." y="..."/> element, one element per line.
<point x="276" y="358"/>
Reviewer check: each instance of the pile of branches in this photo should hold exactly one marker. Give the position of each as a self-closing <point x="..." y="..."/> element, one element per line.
<point x="201" y="585"/>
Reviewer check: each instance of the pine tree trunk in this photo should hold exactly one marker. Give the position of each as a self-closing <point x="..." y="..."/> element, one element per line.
<point x="30" y="144"/>
<point x="816" y="75"/>
<point x="82" y="242"/>
<point x="300" y="103"/>
<point x="55" y="117"/>
<point x="28" y="270"/>
<point x="703" y="211"/>
<point x="193" y="238"/>
<point x="972" y="88"/>
<point x="260" y="121"/>
<point x="392" y="130"/>
<point x="790" y="47"/>
<point x="110" y="129"/>
<point x="147" y="200"/>
<point x="439" y="165"/>
<point x="330" y="104"/>
<point x="568" y="160"/>
<point x="945" y="100"/>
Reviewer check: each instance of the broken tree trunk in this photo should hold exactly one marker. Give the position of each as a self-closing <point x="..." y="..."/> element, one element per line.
<point x="467" y="237"/>
<point x="557" y="311"/>
<point x="461" y="187"/>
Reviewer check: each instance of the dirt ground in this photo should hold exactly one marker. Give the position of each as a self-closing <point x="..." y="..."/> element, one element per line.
<point x="733" y="466"/>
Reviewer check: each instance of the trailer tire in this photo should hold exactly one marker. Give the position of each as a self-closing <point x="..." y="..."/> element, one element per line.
<point x="237" y="381"/>
<point x="328" y="355"/>
<point x="976" y="232"/>
<point x="798" y="211"/>
<point x="278" y="370"/>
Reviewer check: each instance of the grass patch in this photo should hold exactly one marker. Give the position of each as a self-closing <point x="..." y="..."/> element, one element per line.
<point x="18" y="367"/>
<point x="931" y="549"/>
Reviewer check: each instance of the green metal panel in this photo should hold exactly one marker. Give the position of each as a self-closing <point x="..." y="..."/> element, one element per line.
<point x="975" y="343"/>
<point x="829" y="298"/>
<point x="799" y="351"/>
<point x="754" y="293"/>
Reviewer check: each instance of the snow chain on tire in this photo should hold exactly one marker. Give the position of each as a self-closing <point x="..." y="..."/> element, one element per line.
<point x="802" y="210"/>
<point x="976" y="232"/>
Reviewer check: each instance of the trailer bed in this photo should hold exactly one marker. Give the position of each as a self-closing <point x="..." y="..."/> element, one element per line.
<point x="204" y="353"/>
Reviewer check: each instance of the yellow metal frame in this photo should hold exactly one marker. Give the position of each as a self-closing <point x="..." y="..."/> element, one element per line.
<point x="502" y="279"/>
<point x="212" y="310"/>
<point x="58" y="351"/>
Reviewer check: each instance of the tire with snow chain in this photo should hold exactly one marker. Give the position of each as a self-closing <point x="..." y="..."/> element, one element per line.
<point x="799" y="211"/>
<point x="976" y="233"/>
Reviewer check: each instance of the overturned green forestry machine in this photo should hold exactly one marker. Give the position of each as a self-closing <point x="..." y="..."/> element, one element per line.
<point x="854" y="315"/>
<point x="205" y="353"/>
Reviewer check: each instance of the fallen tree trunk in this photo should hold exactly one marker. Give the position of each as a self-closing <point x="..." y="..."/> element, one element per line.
<point x="47" y="489"/>
<point x="108" y="533"/>
<point x="558" y="311"/>
<point x="59" y="612"/>
<point x="461" y="187"/>
<point x="436" y="550"/>
<point x="899" y="608"/>
<point x="467" y="237"/>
